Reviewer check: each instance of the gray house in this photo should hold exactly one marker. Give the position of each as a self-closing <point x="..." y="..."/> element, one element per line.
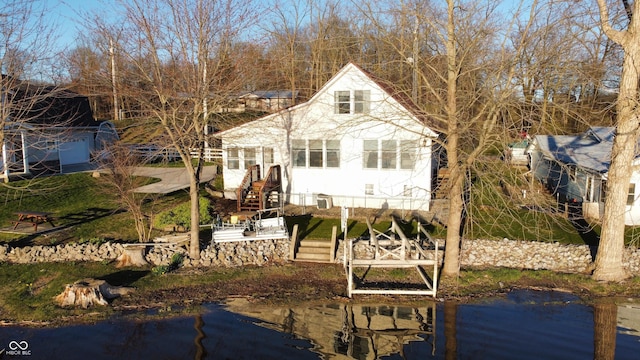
<point x="575" y="168"/>
<point x="48" y="129"/>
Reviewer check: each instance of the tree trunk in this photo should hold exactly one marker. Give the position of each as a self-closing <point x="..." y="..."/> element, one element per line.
<point x="451" y="266"/>
<point x="194" y="244"/>
<point x="88" y="292"/>
<point x="450" y="330"/>
<point x="605" y="321"/>
<point x="132" y="256"/>
<point x="608" y="264"/>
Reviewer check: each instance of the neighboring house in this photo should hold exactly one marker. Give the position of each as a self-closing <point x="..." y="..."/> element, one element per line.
<point x="272" y="100"/>
<point x="575" y="169"/>
<point x="516" y="153"/>
<point x="49" y="130"/>
<point x="355" y="143"/>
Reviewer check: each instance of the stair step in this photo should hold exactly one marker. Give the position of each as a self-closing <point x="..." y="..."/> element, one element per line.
<point x="313" y="250"/>
<point x="316" y="243"/>
<point x="313" y="257"/>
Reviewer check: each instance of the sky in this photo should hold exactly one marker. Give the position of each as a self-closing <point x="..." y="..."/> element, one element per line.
<point x="67" y="14"/>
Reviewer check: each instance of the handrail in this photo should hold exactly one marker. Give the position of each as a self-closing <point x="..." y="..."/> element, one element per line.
<point x="271" y="182"/>
<point x="253" y="174"/>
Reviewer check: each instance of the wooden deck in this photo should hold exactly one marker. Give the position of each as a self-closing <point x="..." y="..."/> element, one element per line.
<point x="421" y="254"/>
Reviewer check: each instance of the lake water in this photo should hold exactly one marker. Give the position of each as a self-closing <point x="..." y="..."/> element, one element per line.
<point x="523" y="325"/>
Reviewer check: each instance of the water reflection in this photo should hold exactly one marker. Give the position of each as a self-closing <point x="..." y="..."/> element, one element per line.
<point x="605" y="322"/>
<point x="524" y="325"/>
<point x="349" y="330"/>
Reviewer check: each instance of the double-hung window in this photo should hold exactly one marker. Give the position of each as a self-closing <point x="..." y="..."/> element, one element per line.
<point x="632" y="194"/>
<point x="233" y="158"/>
<point x="299" y="153"/>
<point x="370" y="154"/>
<point x="249" y="157"/>
<point x="407" y="154"/>
<point x="342" y="102"/>
<point x="315" y="153"/>
<point x="361" y="101"/>
<point x="389" y="154"/>
<point x="267" y="156"/>
<point x="333" y="153"/>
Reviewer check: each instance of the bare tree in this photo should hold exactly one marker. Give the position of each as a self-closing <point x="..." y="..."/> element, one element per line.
<point x="608" y="264"/>
<point x="178" y="67"/>
<point x="118" y="165"/>
<point x="461" y="74"/>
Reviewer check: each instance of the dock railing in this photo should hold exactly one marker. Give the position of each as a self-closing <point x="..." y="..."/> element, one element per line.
<point x="390" y="252"/>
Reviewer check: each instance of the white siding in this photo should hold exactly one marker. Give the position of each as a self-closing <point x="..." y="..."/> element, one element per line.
<point x="317" y="120"/>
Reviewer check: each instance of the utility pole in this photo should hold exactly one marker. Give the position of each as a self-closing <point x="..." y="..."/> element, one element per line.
<point x="116" y="110"/>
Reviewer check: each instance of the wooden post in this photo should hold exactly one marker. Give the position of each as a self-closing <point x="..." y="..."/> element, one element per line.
<point x="373" y="238"/>
<point x="294" y="242"/>
<point x="334" y="240"/>
<point x="350" y="269"/>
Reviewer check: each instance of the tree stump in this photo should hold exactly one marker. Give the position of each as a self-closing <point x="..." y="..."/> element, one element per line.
<point x="89" y="292"/>
<point x="132" y="256"/>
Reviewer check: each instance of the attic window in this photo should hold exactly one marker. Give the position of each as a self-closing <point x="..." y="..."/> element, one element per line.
<point x="342" y="102"/>
<point x="352" y="102"/>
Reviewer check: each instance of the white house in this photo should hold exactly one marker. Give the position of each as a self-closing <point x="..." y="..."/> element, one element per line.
<point x="50" y="131"/>
<point x="354" y="143"/>
<point x="575" y="168"/>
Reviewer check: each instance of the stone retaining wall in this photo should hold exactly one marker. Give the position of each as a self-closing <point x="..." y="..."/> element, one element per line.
<point x="474" y="253"/>
<point x="231" y="254"/>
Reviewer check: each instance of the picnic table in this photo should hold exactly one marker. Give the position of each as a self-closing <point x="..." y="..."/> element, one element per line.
<point x="33" y="218"/>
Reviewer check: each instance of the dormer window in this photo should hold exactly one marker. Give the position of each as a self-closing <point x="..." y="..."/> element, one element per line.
<point x="352" y="101"/>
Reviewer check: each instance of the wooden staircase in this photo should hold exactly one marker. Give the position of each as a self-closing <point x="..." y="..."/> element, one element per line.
<point x="256" y="193"/>
<point x="441" y="189"/>
<point x="314" y="251"/>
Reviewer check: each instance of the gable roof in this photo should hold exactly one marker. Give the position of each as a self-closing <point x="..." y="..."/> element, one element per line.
<point x="401" y="98"/>
<point x="590" y="150"/>
<point x="44" y="105"/>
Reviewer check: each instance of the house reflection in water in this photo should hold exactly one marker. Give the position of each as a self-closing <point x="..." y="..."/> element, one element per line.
<point x="349" y="331"/>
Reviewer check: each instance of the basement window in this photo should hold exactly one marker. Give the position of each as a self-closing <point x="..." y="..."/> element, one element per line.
<point x="368" y="189"/>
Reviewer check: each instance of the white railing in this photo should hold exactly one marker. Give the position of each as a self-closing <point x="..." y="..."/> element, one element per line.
<point x="209" y="154"/>
<point x="155" y="153"/>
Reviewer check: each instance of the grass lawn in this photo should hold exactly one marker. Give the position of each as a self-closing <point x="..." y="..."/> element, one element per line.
<point x="79" y="203"/>
<point x="83" y="206"/>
